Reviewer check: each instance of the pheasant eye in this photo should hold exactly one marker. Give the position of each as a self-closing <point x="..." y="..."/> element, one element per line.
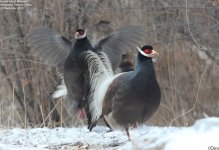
<point x="147" y="51"/>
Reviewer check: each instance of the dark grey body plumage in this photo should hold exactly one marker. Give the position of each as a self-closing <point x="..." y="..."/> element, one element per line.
<point x="76" y="74"/>
<point x="133" y="96"/>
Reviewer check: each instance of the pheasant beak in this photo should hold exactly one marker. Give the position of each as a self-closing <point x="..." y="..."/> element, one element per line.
<point x="154" y="56"/>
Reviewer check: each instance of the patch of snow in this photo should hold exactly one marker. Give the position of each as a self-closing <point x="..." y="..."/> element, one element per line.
<point x="203" y="135"/>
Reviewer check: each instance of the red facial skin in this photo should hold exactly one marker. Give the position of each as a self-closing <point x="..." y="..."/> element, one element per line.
<point x="81" y="32"/>
<point x="147" y="51"/>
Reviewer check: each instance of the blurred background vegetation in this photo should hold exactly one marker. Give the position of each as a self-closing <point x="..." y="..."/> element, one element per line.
<point x="185" y="33"/>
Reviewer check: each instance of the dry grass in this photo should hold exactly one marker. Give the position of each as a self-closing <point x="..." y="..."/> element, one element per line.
<point x="185" y="37"/>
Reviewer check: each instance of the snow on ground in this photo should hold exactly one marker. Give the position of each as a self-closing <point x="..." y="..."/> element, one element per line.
<point x="203" y="135"/>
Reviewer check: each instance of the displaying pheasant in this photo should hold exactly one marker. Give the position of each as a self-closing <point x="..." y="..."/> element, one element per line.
<point x="125" y="99"/>
<point x="69" y="58"/>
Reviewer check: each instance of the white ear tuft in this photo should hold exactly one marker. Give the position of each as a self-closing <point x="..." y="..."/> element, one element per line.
<point x="85" y="32"/>
<point x="143" y="52"/>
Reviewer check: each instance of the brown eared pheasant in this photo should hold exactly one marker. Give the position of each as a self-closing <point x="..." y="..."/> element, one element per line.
<point x="126" y="99"/>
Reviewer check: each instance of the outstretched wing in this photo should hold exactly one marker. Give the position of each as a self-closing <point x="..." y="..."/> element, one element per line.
<point x="49" y="46"/>
<point x="121" y="42"/>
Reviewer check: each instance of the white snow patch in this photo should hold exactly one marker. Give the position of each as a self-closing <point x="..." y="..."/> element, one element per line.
<point x="203" y="135"/>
